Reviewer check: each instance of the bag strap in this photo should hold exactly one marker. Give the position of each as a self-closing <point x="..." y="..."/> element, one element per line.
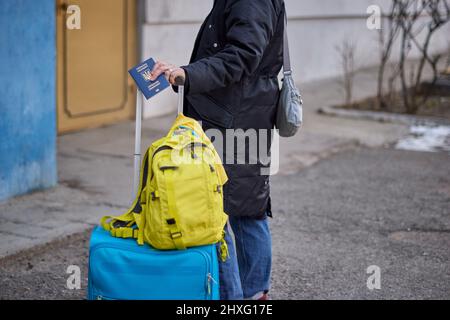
<point x="131" y="223"/>
<point x="172" y="211"/>
<point x="286" y="56"/>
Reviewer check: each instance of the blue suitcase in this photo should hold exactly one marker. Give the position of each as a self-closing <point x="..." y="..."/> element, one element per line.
<point x="121" y="269"/>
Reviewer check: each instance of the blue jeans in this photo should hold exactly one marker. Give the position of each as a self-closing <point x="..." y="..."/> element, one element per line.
<point x="247" y="270"/>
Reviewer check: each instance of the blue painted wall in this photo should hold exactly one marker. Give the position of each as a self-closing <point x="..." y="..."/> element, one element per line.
<point x="27" y="96"/>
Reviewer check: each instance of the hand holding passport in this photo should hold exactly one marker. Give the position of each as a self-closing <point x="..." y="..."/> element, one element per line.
<point x="142" y="75"/>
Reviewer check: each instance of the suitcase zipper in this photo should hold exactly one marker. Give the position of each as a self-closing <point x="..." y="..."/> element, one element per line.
<point x="103" y="298"/>
<point x="209" y="278"/>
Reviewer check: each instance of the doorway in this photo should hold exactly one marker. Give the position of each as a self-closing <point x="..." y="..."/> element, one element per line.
<point x="93" y="86"/>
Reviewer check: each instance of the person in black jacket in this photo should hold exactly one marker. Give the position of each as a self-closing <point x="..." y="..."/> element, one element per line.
<point x="231" y="83"/>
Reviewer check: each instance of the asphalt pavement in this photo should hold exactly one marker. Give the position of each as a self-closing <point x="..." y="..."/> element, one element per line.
<point x="332" y="220"/>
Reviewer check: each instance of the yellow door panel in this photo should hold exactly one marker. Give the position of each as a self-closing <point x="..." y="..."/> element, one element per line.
<point x="93" y="84"/>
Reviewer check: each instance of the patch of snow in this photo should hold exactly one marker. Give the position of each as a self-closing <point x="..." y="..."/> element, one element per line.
<point x="426" y="138"/>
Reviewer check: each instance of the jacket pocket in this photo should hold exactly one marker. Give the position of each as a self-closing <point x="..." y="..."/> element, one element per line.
<point x="260" y="91"/>
<point x="211" y="111"/>
<point x="247" y="196"/>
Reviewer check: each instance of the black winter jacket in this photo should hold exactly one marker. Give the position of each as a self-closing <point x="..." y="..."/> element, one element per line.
<point x="232" y="84"/>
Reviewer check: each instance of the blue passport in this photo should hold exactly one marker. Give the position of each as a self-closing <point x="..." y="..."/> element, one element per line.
<point x="141" y="75"/>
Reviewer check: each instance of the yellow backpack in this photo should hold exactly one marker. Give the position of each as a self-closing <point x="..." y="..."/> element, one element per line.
<point x="180" y="199"/>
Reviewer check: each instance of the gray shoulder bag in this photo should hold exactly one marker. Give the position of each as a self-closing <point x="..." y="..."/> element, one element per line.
<point x="289" y="113"/>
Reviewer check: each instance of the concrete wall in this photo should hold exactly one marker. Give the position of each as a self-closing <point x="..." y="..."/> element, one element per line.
<point x="27" y="96"/>
<point x="168" y="34"/>
<point x="316" y="27"/>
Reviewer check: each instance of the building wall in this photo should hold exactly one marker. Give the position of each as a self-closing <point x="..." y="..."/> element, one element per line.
<point x="27" y="96"/>
<point x="316" y="28"/>
<point x="168" y="34"/>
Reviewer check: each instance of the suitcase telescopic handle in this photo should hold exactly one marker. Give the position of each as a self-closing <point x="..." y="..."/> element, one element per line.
<point x="179" y="81"/>
<point x="180" y="99"/>
<point x="137" y="142"/>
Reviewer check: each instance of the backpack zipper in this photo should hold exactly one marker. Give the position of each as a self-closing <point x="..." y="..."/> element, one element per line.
<point x="162" y="148"/>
